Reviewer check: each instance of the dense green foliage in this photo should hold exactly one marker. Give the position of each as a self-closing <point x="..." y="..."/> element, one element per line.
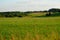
<point x="53" y="12"/>
<point x="13" y="14"/>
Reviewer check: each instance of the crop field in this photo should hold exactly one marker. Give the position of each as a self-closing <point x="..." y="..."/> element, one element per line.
<point x="30" y="28"/>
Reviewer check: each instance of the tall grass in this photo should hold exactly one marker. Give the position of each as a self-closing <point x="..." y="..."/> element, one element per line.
<point x="44" y="28"/>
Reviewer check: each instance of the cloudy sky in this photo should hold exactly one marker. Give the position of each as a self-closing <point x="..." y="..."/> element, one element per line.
<point x="28" y="5"/>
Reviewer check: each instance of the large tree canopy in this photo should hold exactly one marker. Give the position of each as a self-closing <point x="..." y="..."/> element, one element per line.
<point x="54" y="10"/>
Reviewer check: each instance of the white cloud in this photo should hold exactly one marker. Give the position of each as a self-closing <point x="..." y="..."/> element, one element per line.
<point x="26" y="5"/>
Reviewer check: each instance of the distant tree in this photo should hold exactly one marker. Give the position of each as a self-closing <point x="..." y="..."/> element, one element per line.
<point x="53" y="10"/>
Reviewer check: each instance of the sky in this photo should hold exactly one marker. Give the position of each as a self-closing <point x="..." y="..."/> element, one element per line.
<point x="28" y="5"/>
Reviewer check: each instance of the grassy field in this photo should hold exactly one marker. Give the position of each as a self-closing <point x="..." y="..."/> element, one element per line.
<point x="30" y="28"/>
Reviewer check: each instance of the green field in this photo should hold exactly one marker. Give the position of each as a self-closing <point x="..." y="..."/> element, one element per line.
<point x="30" y="28"/>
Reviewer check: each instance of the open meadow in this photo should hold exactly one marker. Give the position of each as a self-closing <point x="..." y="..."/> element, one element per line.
<point x="31" y="27"/>
<point x="29" y="19"/>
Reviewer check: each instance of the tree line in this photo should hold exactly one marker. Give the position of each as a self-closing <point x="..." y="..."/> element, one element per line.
<point x="50" y="12"/>
<point x="53" y="12"/>
<point x="13" y="14"/>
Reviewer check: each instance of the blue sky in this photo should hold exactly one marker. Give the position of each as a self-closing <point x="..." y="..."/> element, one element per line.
<point x="28" y="5"/>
